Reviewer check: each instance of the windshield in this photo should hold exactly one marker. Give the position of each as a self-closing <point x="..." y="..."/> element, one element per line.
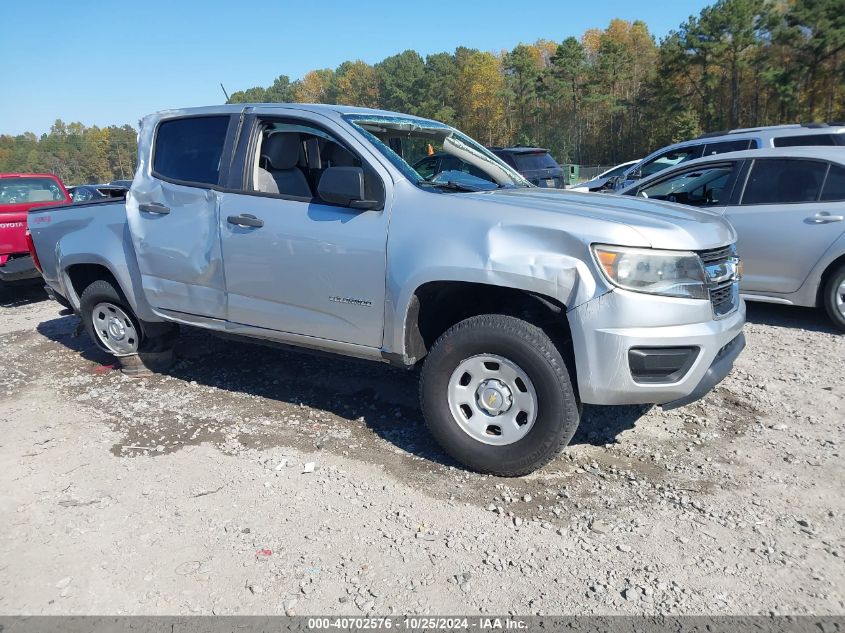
<point x="18" y="190"/>
<point x="616" y="171"/>
<point x="434" y="155"/>
<point x="533" y="161"/>
<point x="701" y="187"/>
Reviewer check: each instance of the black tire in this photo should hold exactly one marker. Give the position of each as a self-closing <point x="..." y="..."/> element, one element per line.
<point x="155" y="337"/>
<point x="829" y="297"/>
<point x="534" y="352"/>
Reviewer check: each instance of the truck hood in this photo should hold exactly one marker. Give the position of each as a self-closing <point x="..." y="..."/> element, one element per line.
<point x="661" y="224"/>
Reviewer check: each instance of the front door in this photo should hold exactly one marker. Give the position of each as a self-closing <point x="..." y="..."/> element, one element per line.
<point x="172" y="213"/>
<point x="784" y="223"/>
<point x="294" y="263"/>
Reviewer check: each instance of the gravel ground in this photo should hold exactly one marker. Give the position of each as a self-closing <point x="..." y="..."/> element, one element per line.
<point x="189" y="493"/>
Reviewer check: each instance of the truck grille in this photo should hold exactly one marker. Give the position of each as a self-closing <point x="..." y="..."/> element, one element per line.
<point x="720" y="264"/>
<point x="717" y="255"/>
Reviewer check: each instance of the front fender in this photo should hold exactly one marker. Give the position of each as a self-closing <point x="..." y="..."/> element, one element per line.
<point x="533" y="259"/>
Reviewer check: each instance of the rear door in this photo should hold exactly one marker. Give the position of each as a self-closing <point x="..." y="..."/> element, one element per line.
<point x="173" y="214"/>
<point x="788" y="214"/>
<point x="294" y="263"/>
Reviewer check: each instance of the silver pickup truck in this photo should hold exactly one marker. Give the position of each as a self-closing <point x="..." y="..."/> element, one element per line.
<point x="307" y="225"/>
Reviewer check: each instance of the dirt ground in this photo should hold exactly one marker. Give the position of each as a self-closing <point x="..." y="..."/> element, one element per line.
<point x="186" y="493"/>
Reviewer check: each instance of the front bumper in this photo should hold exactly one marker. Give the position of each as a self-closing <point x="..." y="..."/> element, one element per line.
<point x="606" y="328"/>
<point x="19" y="269"/>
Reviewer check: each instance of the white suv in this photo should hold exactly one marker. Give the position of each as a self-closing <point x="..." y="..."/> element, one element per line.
<point x="806" y="134"/>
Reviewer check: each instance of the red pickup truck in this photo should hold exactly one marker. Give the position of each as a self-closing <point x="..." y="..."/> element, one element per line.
<point x="18" y="194"/>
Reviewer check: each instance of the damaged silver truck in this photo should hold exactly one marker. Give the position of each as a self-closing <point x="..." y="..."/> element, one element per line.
<point x="306" y="225"/>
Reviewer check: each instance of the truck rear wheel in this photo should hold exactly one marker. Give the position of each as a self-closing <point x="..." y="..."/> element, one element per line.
<point x="496" y="395"/>
<point x="115" y="328"/>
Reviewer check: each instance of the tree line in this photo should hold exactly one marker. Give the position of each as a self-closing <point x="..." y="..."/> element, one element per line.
<point x="74" y="152"/>
<point x="612" y="95"/>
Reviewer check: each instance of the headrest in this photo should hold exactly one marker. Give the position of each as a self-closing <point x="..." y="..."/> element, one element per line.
<point x="337" y="156"/>
<point x="39" y="195"/>
<point x="281" y="150"/>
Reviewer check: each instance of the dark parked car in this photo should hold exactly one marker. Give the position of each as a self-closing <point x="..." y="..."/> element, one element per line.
<point x="86" y="193"/>
<point x="535" y="164"/>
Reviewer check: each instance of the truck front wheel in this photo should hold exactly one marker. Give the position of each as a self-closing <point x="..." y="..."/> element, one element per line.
<point x="834" y="297"/>
<point x="113" y="326"/>
<point x="496" y="395"/>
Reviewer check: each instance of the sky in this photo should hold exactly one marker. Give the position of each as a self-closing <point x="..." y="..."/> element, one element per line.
<point x="105" y="63"/>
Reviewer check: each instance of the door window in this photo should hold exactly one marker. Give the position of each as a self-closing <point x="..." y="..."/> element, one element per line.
<point x="727" y="146"/>
<point x="704" y="186"/>
<point x="292" y="156"/>
<point x="670" y="159"/>
<point x="834" y="185"/>
<point x="782" y="181"/>
<point x="190" y="150"/>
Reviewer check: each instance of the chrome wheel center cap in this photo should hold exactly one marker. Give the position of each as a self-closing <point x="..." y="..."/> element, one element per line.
<point x="116" y="329"/>
<point x="493" y="397"/>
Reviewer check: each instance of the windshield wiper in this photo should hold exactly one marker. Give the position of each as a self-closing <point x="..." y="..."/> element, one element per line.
<point x="449" y="184"/>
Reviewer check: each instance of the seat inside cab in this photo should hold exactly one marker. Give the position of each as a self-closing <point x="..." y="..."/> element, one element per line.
<point x="291" y="159"/>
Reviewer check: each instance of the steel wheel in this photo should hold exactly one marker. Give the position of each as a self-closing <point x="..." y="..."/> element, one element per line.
<point x="115" y="328"/>
<point x="492" y="399"/>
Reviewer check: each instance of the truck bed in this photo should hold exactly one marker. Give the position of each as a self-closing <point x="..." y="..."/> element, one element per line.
<point x="89" y="227"/>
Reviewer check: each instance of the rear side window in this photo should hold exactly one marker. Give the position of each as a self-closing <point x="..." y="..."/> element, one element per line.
<point x="834" y="186"/>
<point x="728" y="146"/>
<point x="190" y="149"/>
<point x="805" y="140"/>
<point x="782" y="181"/>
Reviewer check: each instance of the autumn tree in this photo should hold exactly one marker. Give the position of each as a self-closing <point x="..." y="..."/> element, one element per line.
<point x="480" y="107"/>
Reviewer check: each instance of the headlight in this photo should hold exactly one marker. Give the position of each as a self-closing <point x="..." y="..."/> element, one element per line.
<point x="669" y="273"/>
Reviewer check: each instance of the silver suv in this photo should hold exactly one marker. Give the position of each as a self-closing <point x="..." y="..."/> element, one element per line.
<point x="788" y="208"/>
<point x="806" y="134"/>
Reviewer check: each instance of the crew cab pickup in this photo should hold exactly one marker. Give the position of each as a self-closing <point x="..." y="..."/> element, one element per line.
<point x="20" y="193"/>
<point x="307" y="225"/>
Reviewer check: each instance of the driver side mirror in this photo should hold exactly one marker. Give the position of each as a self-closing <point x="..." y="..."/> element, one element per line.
<point x="345" y="186"/>
<point x="634" y="175"/>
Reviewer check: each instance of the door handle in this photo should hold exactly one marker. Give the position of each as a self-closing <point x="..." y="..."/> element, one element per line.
<point x="155" y="208"/>
<point x="245" y="219"/>
<point x="824" y="217"/>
